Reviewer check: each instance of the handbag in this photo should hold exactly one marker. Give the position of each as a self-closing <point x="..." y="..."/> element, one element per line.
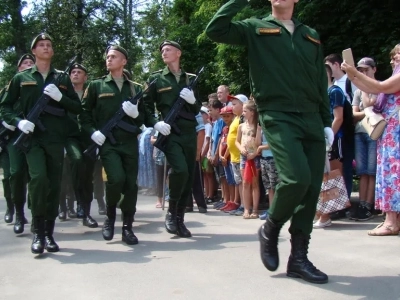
<point x="333" y="195"/>
<point x="374" y="124"/>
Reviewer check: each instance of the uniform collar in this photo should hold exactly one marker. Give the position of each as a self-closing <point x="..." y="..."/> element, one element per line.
<point x="110" y="78"/>
<point x="34" y="69"/>
<point x="165" y="71"/>
<point x="271" y="18"/>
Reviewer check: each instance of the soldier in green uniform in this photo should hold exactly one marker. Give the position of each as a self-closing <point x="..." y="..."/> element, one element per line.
<point x="46" y="152"/>
<point x="101" y="100"/>
<point x="16" y="172"/>
<point x="288" y="81"/>
<point x="181" y="148"/>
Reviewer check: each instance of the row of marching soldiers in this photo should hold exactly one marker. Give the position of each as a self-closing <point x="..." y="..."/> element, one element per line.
<point x="72" y="119"/>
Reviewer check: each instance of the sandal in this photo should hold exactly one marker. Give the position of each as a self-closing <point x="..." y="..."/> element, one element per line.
<point x="158" y="205"/>
<point x="254" y="216"/>
<point x="246" y="216"/>
<point x="388" y="230"/>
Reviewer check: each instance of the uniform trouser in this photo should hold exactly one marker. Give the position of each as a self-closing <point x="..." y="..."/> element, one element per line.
<point x="298" y="145"/>
<point x="19" y="176"/>
<point x="66" y="186"/>
<point x="120" y="162"/>
<point x="98" y="183"/>
<point x="77" y="166"/>
<point x="197" y="188"/>
<point x="5" y="165"/>
<point x="181" y="155"/>
<point x="45" y="163"/>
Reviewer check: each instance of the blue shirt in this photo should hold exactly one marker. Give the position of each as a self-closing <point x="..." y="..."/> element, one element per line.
<point x="336" y="98"/>
<point x="265" y="153"/>
<point x="216" y="135"/>
<point x="200" y="123"/>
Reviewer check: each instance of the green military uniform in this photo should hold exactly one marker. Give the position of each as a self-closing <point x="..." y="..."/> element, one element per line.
<point x="289" y="84"/>
<point x="102" y="99"/>
<point x="47" y="147"/>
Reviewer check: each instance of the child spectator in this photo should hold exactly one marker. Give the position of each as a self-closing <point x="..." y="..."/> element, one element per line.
<point x="269" y="173"/>
<point x="205" y="164"/>
<point x="229" y="192"/>
<point x="248" y="140"/>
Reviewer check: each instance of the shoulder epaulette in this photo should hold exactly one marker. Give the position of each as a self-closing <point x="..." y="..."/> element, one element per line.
<point x="135" y="83"/>
<point x="159" y="71"/>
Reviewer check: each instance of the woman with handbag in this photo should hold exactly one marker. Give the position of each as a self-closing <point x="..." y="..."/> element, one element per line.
<point x="387" y="189"/>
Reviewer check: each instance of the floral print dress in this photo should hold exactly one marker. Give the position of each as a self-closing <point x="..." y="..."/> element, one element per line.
<point x="387" y="189"/>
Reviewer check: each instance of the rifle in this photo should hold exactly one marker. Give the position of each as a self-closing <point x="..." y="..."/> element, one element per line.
<point x="23" y="141"/>
<point x="174" y="114"/>
<point x="116" y="121"/>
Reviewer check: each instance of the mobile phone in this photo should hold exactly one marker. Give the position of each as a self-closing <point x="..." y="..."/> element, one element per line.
<point x="347" y="55"/>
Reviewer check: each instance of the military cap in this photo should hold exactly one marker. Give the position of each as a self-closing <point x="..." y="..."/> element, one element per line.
<point x="78" y="66"/>
<point x="41" y="37"/>
<point x="119" y="49"/>
<point x="171" y="43"/>
<point x="127" y="74"/>
<point x="25" y="56"/>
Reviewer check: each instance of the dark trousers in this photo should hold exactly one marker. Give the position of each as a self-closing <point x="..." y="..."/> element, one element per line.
<point x="98" y="183"/>
<point x="197" y="188"/>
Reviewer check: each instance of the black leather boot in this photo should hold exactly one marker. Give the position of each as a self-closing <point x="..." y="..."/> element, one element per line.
<point x="87" y="219"/>
<point x="127" y="234"/>
<point x="70" y="208"/>
<point x="181" y="231"/>
<point x="268" y="235"/>
<point x="299" y="266"/>
<point x="62" y="210"/>
<point x="38" y="241"/>
<point x="170" y="218"/>
<point x="80" y="214"/>
<point x="102" y="207"/>
<point x="9" y="216"/>
<point x="50" y="243"/>
<point x="62" y="214"/>
<point x="108" y="226"/>
<point x="19" y="219"/>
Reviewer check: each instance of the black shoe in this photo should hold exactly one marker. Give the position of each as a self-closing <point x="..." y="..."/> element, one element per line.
<point x="38" y="241"/>
<point x="71" y="213"/>
<point x="337" y="215"/>
<point x="108" y="226"/>
<point x="19" y="223"/>
<point x="181" y="229"/>
<point x="189" y="209"/>
<point x="299" y="266"/>
<point x="170" y="218"/>
<point x="364" y="214"/>
<point x="127" y="234"/>
<point x="268" y="235"/>
<point x="62" y="215"/>
<point x="80" y="214"/>
<point x="90" y="222"/>
<point x="9" y="216"/>
<point x="50" y="243"/>
<point x="354" y="213"/>
<point x="102" y="207"/>
<point x="26" y="221"/>
<point x="202" y="210"/>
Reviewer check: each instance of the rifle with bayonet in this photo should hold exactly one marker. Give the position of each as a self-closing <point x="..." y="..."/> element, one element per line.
<point x="116" y="121"/>
<point x="23" y="141"/>
<point x="174" y="114"/>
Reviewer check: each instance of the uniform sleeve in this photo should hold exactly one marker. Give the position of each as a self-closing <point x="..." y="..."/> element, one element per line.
<point x="149" y="98"/>
<point x="10" y="97"/>
<point x="70" y="99"/>
<point x="85" y="119"/>
<point x="149" y="120"/>
<point x="324" y="110"/>
<point x="221" y="29"/>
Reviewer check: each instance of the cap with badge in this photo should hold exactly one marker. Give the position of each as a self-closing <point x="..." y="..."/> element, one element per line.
<point x="119" y="49"/>
<point x="226" y="110"/>
<point x="25" y="56"/>
<point x="204" y="110"/>
<point x="366" y="62"/>
<point x="242" y="98"/>
<point x="170" y="43"/>
<point x="78" y="66"/>
<point x="41" y="37"/>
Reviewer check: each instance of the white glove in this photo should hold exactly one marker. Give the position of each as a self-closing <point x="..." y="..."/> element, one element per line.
<point x="188" y="96"/>
<point x="329" y="136"/>
<point x="98" y="138"/>
<point x="25" y="126"/>
<point x="9" y="127"/>
<point x="163" y="128"/>
<point x="130" y="109"/>
<point x="52" y="91"/>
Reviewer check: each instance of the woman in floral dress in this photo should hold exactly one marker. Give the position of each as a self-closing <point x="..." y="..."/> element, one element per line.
<point x="387" y="190"/>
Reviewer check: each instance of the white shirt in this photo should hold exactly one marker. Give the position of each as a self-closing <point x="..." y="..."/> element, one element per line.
<point x="342" y="84"/>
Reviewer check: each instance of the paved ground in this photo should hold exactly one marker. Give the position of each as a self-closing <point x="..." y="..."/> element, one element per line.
<point x="220" y="261"/>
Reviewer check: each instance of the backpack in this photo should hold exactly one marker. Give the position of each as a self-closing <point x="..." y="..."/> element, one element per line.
<point x="349" y="90"/>
<point x="348" y="127"/>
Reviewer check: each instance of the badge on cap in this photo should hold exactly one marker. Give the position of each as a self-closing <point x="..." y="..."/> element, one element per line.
<point x="43" y="37"/>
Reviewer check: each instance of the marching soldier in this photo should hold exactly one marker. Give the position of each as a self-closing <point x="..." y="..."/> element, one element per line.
<point x="101" y="100"/>
<point x="15" y="174"/>
<point x="46" y="152"/>
<point x="180" y="149"/>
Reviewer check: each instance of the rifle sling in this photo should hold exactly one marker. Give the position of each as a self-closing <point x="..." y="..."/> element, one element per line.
<point x="127" y="127"/>
<point x="59" y="112"/>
